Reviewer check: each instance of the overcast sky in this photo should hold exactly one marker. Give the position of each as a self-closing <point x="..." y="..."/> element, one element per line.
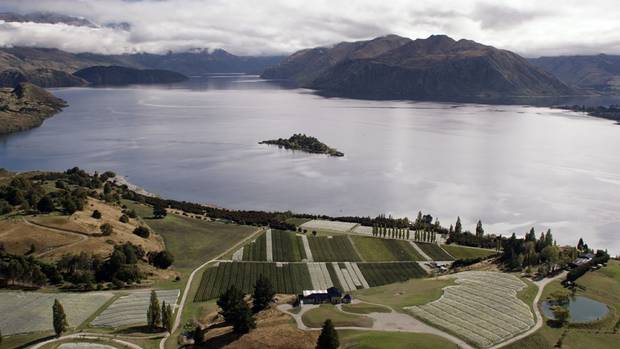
<point x="531" y="28"/>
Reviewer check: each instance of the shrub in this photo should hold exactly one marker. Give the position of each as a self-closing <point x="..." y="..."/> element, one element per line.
<point x="131" y="213"/>
<point x="124" y="219"/>
<point x="96" y="214"/>
<point x="45" y="205"/>
<point x="162" y="259"/>
<point x="106" y="229"/>
<point x="142" y="232"/>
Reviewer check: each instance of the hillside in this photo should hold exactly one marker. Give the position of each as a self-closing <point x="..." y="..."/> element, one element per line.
<point x="599" y="72"/>
<point x="54" y="68"/>
<point x="116" y="75"/>
<point x="438" y="67"/>
<point x="25" y="107"/>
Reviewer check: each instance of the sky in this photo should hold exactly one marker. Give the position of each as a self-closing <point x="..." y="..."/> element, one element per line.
<point x="266" y="27"/>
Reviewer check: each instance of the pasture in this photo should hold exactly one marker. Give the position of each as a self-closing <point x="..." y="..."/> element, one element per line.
<point x="482" y="308"/>
<point x="377" y="250"/>
<point x="193" y="241"/>
<point x="130" y="309"/>
<point x="315" y="317"/>
<point x="24" y="312"/>
<point x="404" y="294"/>
<point x="434" y="251"/>
<point x="353" y="339"/>
<point x="378" y="274"/>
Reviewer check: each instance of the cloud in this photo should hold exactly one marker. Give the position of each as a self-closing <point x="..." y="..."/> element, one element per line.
<point x="529" y="27"/>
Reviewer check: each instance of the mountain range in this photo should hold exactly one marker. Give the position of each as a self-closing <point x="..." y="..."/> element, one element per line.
<point x="49" y="67"/>
<point x="438" y="67"/>
<point x="600" y="73"/>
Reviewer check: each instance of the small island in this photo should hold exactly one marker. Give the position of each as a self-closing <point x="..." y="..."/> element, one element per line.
<point x="304" y="143"/>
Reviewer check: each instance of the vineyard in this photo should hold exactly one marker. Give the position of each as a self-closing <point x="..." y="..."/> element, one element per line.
<point x="377" y="274"/>
<point x="482" y="309"/>
<point x="131" y="309"/>
<point x="288" y="278"/>
<point x="256" y="250"/>
<point x="434" y="251"/>
<point x="332" y="249"/>
<point x="375" y="249"/>
<point x="287" y="247"/>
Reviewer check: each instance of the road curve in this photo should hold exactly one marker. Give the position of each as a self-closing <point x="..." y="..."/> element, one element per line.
<point x="82" y="237"/>
<point x="539" y="319"/>
<point x="177" y="319"/>
<point x="91" y="336"/>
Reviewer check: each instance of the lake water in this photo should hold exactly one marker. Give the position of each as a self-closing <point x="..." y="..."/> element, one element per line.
<point x="582" y="309"/>
<point x="511" y="166"/>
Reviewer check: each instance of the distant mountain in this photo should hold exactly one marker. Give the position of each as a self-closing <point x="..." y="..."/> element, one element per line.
<point x="45" y="17"/>
<point x="599" y="72"/>
<point x="48" y="67"/>
<point x="393" y="67"/>
<point x="115" y="75"/>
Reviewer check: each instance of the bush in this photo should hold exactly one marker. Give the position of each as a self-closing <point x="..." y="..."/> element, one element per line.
<point x="96" y="214"/>
<point x="162" y="259"/>
<point x="106" y="229"/>
<point x="142" y="232"/>
<point x="45" y="205"/>
<point x="124" y="219"/>
<point x="131" y="213"/>
<point x="5" y="207"/>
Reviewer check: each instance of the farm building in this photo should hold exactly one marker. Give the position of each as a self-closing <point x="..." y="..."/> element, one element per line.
<point x="331" y="295"/>
<point x="583" y="259"/>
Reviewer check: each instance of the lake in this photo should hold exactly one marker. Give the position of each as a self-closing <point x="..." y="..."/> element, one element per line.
<point x="582" y="309"/>
<point x="513" y="167"/>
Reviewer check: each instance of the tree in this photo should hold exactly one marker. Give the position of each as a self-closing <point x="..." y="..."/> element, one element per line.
<point x="166" y="316"/>
<point x="159" y="211"/>
<point x="142" y="232"/>
<point x="580" y="244"/>
<point x="106" y="229"/>
<point x="123" y="219"/>
<point x="153" y="314"/>
<point x="96" y="214"/>
<point x="328" y="339"/>
<point x="263" y="294"/>
<point x="107" y="188"/>
<point x="479" y="230"/>
<point x="45" y="205"/>
<point x="236" y="311"/>
<point x="458" y="227"/>
<point x="162" y="259"/>
<point x="59" y="318"/>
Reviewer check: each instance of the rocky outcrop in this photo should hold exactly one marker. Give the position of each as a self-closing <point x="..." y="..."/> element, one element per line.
<point x="436" y="68"/>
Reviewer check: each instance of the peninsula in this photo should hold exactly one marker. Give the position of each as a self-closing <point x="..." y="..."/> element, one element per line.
<point x="25" y="107"/>
<point x="304" y="143"/>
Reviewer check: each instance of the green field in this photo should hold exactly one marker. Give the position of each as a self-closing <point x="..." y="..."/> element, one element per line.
<point x="378" y="274"/>
<point x="289" y="278"/>
<point x="434" y="251"/>
<point x="337" y="248"/>
<point x="603" y="286"/>
<point x="351" y="339"/>
<point x="287" y="246"/>
<point x="193" y="241"/>
<point x="256" y="250"/>
<point x="316" y="317"/>
<point x="377" y="249"/>
<point x="404" y="294"/>
<point x="364" y="308"/>
<point x="464" y="252"/>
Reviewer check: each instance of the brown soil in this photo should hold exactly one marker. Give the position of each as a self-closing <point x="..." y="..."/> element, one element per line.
<point x="274" y="330"/>
<point x="17" y="237"/>
<point x="82" y="221"/>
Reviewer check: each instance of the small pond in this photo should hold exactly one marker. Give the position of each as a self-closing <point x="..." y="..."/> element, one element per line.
<point x="582" y="309"/>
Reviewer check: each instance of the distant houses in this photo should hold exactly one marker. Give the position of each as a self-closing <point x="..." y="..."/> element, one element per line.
<point x="582" y="259"/>
<point x="331" y="295"/>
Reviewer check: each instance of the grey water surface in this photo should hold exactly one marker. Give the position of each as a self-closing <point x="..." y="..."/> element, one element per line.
<point x="513" y="167"/>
